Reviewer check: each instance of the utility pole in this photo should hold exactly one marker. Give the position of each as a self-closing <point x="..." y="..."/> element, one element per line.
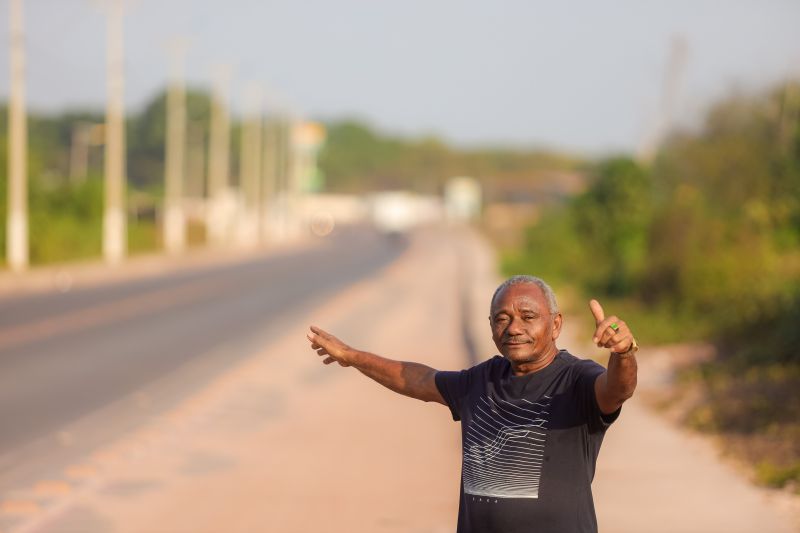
<point x="174" y="218"/>
<point x="293" y="173"/>
<point x="284" y="171"/>
<point x="114" y="216"/>
<point x="17" y="224"/>
<point x="269" y="176"/>
<point x="218" y="158"/>
<point x="250" y="171"/>
<point x="673" y="78"/>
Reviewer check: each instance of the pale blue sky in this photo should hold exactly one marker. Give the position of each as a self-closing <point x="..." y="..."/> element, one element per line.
<point x="580" y="75"/>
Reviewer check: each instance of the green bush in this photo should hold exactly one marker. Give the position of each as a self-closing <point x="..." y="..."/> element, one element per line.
<point x="65" y="221"/>
<point x="549" y="250"/>
<point x="703" y="245"/>
<point x="776" y="476"/>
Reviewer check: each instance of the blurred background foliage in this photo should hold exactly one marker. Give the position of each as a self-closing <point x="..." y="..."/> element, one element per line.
<point x="702" y="244"/>
<point x="356" y="158"/>
<point x="66" y="210"/>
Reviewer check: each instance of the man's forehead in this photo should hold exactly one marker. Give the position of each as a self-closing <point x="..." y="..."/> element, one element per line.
<point x="528" y="294"/>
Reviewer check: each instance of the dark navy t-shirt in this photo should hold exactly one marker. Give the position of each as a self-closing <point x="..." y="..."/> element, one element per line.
<point x="530" y="445"/>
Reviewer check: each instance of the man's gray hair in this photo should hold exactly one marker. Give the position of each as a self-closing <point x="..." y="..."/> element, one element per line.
<point x="530" y="280"/>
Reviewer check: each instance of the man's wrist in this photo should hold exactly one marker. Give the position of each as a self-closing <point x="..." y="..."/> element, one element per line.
<point x="352" y="356"/>
<point x="631" y="351"/>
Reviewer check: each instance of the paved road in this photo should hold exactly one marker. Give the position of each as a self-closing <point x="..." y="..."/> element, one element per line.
<point x="66" y="356"/>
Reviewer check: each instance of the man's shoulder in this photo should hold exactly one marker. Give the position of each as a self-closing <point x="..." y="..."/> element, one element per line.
<point x="489" y="369"/>
<point x="484" y="368"/>
<point x="487" y="366"/>
<point x="497" y="364"/>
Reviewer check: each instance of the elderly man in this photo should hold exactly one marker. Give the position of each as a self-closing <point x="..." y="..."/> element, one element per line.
<point x="532" y="421"/>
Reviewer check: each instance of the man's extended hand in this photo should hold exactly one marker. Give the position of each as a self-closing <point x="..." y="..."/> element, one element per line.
<point x="411" y="379"/>
<point x="326" y="344"/>
<point x="619" y="341"/>
<point x="618" y="382"/>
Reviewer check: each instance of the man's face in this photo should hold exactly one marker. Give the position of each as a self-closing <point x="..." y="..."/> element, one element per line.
<point x="522" y="327"/>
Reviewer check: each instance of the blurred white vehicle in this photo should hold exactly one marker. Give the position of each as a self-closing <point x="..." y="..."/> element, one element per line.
<point x="393" y="212"/>
<point x="397" y="212"/>
<point x="463" y="199"/>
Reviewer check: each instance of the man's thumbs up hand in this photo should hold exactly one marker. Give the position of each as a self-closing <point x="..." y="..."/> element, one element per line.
<point x="611" y="332"/>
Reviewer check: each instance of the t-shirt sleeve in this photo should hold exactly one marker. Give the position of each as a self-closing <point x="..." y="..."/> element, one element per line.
<point x="587" y="373"/>
<point x="454" y="387"/>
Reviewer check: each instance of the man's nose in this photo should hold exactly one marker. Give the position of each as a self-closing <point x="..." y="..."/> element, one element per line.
<point x="515" y="327"/>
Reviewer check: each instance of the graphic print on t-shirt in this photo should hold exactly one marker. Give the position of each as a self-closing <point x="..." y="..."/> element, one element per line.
<point x="504" y="448"/>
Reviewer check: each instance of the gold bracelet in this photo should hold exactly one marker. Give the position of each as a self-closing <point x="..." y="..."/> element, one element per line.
<point x="630" y="351"/>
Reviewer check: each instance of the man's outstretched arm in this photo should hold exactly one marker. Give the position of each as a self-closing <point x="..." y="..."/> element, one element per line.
<point x="410" y="379"/>
<point x="618" y="382"/>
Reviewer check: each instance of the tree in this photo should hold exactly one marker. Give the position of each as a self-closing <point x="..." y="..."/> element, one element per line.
<point x="612" y="219"/>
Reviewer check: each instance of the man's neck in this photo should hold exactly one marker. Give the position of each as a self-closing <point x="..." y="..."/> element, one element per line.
<point x="529" y="367"/>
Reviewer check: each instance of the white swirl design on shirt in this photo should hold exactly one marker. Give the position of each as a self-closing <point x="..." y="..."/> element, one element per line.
<point x="504" y="448"/>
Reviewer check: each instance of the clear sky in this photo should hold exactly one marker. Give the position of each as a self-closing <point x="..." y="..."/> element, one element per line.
<point x="579" y="75"/>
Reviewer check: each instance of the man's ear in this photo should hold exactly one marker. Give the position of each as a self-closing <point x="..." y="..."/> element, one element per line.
<point x="557" y="321"/>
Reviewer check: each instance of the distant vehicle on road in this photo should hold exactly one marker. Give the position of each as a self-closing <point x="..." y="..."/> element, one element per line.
<point x="463" y="198"/>
<point x="398" y="212"/>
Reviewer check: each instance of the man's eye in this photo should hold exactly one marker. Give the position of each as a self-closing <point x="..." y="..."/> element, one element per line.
<point x="529" y="317"/>
<point x="501" y="319"/>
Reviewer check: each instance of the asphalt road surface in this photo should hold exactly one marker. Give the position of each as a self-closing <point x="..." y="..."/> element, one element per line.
<point x="78" y="367"/>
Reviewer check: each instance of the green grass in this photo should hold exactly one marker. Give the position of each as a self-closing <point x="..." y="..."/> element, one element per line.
<point x="65" y="224"/>
<point x="143" y="236"/>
